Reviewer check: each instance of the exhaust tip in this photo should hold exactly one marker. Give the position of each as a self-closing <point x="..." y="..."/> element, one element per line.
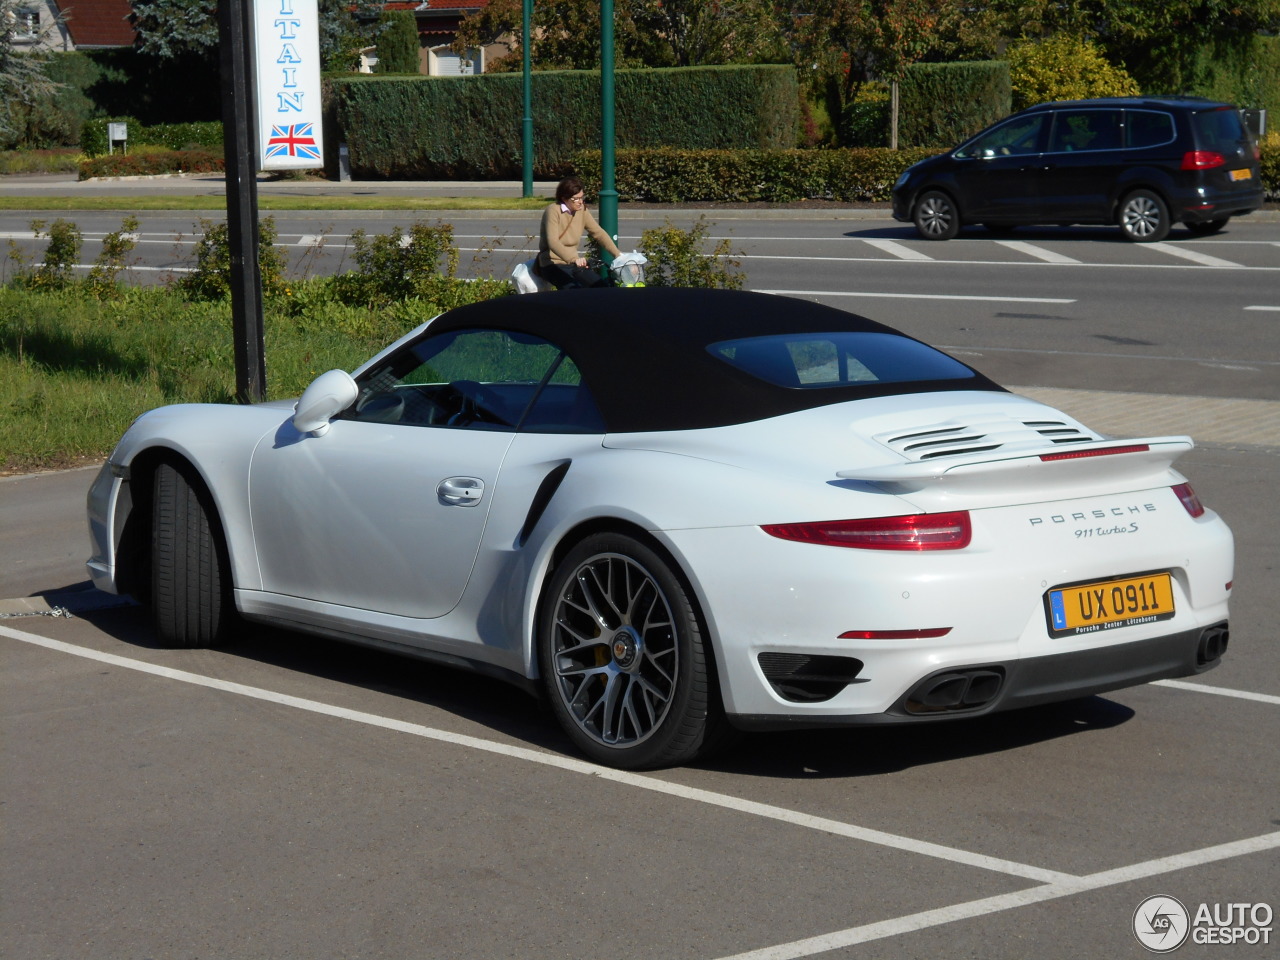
<point x="955" y="691"/>
<point x="1213" y="644"/>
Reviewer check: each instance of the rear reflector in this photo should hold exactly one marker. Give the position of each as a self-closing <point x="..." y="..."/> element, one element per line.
<point x="895" y="634"/>
<point x="1105" y="452"/>
<point x="1189" y="499"/>
<point x="924" y="531"/>
<point x="1202" y="160"/>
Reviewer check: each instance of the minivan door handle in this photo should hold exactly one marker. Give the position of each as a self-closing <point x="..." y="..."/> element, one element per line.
<point x="460" y="491"/>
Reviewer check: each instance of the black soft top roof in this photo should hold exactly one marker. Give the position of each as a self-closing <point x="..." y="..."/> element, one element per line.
<point x="643" y="351"/>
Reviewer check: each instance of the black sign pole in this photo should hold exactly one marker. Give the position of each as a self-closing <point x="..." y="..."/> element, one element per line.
<point x="240" y="153"/>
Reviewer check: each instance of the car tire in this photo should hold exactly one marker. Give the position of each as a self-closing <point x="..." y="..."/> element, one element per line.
<point x="190" y="584"/>
<point x="623" y="658"/>
<point x="1144" y="217"/>
<point x="1206" y="227"/>
<point x="936" y="217"/>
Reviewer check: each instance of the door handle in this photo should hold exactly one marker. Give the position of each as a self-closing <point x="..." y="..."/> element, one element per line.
<point x="460" y="491"/>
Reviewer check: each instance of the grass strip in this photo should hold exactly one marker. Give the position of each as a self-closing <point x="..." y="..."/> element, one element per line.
<point x="269" y="202"/>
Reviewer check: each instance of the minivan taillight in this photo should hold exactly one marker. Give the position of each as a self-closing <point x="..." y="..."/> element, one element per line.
<point x="922" y="531"/>
<point x="1202" y="160"/>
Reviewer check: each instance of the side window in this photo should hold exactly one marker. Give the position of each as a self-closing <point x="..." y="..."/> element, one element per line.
<point x="1017" y="137"/>
<point x="1077" y="130"/>
<point x="1147" y="128"/>
<point x="478" y="379"/>
<point x="563" y="405"/>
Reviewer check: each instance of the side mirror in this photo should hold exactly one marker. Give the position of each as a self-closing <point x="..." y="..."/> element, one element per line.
<point x="329" y="394"/>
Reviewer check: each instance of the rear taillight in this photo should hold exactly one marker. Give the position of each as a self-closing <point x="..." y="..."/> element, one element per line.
<point x="923" y="531"/>
<point x="1189" y="499"/>
<point x="1202" y="160"/>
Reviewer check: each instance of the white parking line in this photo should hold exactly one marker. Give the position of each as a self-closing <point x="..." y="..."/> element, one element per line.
<point x="724" y="801"/>
<point x="1260" y="307"/>
<point x="1187" y="254"/>
<point x="897" y="250"/>
<point x="1053" y="884"/>
<point x="1008" y="901"/>
<point x="1031" y="250"/>
<point x="1220" y="691"/>
<point x="911" y="296"/>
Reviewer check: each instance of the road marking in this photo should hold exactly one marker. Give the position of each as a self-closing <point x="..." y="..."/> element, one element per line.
<point x="1031" y="250"/>
<point x="1194" y="255"/>
<point x="1272" y="309"/>
<point x="896" y="249"/>
<point x="911" y="296"/>
<point x="1220" y="691"/>
<point x="1008" y="901"/>
<point x="724" y="801"/>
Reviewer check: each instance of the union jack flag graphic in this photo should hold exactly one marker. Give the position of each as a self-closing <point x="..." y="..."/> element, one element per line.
<point x="294" y="140"/>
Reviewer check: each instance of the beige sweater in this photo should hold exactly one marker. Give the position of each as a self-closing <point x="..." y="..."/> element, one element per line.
<point x="562" y="232"/>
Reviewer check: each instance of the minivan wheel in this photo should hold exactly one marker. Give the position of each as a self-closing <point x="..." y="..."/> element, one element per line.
<point x="1144" y="218"/>
<point x="936" y="216"/>
<point x="1206" y="227"/>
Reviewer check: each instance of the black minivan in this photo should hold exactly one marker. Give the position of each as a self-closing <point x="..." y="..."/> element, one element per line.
<point x="1144" y="163"/>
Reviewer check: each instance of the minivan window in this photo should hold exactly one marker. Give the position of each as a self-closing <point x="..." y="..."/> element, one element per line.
<point x="1076" y="130"/>
<point x="1147" y="128"/>
<point x="1219" y="130"/>
<point x="1019" y="136"/>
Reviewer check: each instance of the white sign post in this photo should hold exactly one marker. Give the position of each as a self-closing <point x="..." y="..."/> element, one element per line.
<point x="287" y="53"/>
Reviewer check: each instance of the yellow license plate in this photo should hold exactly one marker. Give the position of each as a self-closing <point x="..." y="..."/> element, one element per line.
<point x="1242" y="174"/>
<point x="1109" y="604"/>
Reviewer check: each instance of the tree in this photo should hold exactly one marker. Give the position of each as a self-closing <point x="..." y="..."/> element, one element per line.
<point x="1165" y="45"/>
<point x="647" y="33"/>
<point x="398" y="42"/>
<point x="843" y="44"/>
<point x="23" y="78"/>
<point x="1063" y="68"/>
<point x="170" y="29"/>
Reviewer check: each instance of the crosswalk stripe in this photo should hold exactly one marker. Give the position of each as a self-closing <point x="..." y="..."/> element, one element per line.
<point x="1040" y="253"/>
<point x="897" y="250"/>
<point x="1193" y="255"/>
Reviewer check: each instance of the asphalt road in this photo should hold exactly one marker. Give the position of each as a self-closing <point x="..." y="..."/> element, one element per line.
<point x="288" y="797"/>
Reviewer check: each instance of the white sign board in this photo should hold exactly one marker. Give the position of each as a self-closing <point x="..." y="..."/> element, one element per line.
<point x="286" y="37"/>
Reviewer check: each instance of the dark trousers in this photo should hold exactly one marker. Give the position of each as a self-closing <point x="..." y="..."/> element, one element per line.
<point x="561" y="277"/>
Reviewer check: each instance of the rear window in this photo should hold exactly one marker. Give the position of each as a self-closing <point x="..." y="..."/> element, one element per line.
<point x="820" y="360"/>
<point x="1220" y="130"/>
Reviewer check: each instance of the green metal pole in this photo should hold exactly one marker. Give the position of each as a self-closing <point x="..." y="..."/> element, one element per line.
<point x="608" y="193"/>
<point x="526" y="123"/>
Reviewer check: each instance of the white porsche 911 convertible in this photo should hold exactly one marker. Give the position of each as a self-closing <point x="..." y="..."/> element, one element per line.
<point x="675" y="513"/>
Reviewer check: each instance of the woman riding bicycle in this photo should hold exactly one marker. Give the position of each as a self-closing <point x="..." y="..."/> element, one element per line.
<point x="563" y="223"/>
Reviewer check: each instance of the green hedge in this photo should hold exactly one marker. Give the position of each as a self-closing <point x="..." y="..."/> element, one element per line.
<point x="742" y="176"/>
<point x="172" y="136"/>
<point x="470" y="127"/>
<point x="940" y="104"/>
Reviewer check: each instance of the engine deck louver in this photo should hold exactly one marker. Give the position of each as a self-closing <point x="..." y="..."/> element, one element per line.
<point x="956" y="438"/>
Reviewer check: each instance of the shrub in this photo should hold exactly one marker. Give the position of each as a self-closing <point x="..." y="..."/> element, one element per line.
<point x="151" y="163"/>
<point x="736" y="176"/>
<point x="211" y="278"/>
<point x="469" y="127"/>
<point x="940" y="104"/>
<point x="171" y="136"/>
<point x="57" y="269"/>
<point x="676" y="258"/>
<point x="40" y="161"/>
<point x="1063" y="68"/>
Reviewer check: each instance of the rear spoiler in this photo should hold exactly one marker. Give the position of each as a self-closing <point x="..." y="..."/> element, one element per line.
<point x="1067" y="467"/>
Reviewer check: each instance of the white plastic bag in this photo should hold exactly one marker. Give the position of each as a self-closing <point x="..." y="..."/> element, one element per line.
<point x="526" y="280"/>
